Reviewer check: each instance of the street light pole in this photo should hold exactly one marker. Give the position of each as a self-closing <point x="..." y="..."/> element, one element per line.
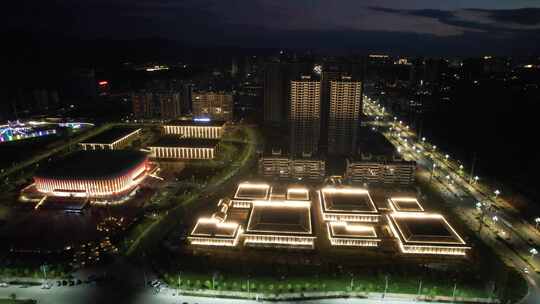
<point x="472" y="169"/>
<point x="385" y="285"/>
<point x="537" y="221"/>
<point x="419" y="289"/>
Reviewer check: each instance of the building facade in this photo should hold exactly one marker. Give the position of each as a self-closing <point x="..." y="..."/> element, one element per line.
<point x="171" y="147"/>
<point x="143" y="104"/>
<point x="283" y="167"/>
<point x="194" y="129"/>
<point x="305" y="116"/>
<point x="213" y="105"/>
<point x="381" y="172"/>
<point x="170" y="105"/>
<point x="344" y="115"/>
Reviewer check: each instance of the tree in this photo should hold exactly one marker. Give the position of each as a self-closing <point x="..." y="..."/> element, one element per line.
<point x="13" y="296"/>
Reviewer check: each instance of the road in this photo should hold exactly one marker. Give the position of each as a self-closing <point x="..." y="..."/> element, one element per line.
<point x="494" y="220"/>
<point x="91" y="294"/>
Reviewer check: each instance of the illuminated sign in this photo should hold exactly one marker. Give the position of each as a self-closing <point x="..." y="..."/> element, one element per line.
<point x="202" y="119"/>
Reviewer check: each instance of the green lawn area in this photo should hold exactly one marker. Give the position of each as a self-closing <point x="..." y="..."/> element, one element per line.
<point x="397" y="284"/>
<point x="9" y="301"/>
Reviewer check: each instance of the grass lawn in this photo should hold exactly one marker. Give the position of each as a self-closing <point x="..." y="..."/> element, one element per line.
<point x="358" y="283"/>
<point x="9" y="301"/>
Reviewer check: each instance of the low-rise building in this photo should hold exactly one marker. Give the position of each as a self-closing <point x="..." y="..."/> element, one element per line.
<point x="378" y="162"/>
<point x="111" y="139"/>
<point x="425" y="233"/>
<point x="197" y="128"/>
<point x="172" y="147"/>
<point x="275" y="165"/>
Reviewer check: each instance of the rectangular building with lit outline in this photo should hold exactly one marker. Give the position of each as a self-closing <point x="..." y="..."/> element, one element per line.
<point x="280" y="224"/>
<point x="346" y="204"/>
<point x="352" y="234"/>
<point x="425" y="233"/>
<point x="171" y="147"/>
<point x="197" y="128"/>
<point x="111" y="139"/>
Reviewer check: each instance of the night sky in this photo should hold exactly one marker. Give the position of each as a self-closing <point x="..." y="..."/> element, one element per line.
<point x="418" y="26"/>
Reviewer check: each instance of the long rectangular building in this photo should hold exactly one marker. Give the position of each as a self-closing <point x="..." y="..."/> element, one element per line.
<point x="197" y="128"/>
<point x="171" y="147"/>
<point x="380" y="172"/>
<point x="111" y="139"/>
<point x="283" y="167"/>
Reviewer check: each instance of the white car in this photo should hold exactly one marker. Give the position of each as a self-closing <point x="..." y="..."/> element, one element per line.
<point x="4" y="284"/>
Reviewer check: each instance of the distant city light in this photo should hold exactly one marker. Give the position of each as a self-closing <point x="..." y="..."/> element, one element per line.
<point x="317" y="69"/>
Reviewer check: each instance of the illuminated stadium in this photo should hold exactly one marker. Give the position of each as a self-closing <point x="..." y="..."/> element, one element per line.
<point x="425" y="233"/>
<point x="93" y="174"/>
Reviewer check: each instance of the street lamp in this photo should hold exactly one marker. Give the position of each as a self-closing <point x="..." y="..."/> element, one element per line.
<point x="476" y="178"/>
<point x="495" y="218"/>
<point x="447" y="156"/>
<point x="497" y="192"/>
<point x="533" y="252"/>
<point x="423" y="139"/>
<point x="537" y="221"/>
<point x="478" y="205"/>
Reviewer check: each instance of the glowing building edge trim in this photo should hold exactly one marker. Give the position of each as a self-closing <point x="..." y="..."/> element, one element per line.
<point x="420" y="215"/>
<point x="394" y="203"/>
<point x="440" y="250"/>
<point x="265" y="187"/>
<point x="325" y="210"/>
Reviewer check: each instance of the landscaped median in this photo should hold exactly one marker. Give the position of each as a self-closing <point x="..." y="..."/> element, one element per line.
<point x="313" y="295"/>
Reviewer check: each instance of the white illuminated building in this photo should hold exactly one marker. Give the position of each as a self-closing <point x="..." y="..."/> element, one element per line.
<point x="262" y="220"/>
<point x="112" y="139"/>
<point x="347" y="204"/>
<point x="425" y="233"/>
<point x="197" y="128"/>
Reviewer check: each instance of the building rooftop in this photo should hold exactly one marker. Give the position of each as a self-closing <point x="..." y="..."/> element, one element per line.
<point x="424" y="228"/>
<point x="298" y="194"/>
<point x="209" y="227"/>
<point x="110" y="136"/>
<point x="347" y="200"/>
<point x="349" y="230"/>
<point x="405" y="204"/>
<point x="180" y="142"/>
<point x="252" y="191"/>
<point x="92" y="164"/>
<point x="196" y="122"/>
<point x="280" y="217"/>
